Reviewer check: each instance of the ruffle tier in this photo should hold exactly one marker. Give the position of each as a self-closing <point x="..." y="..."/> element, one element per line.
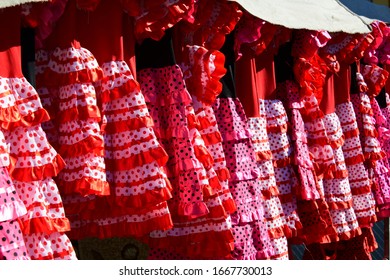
<point x="55" y="246"/>
<point x="213" y="20"/>
<point x="202" y="70"/>
<point x="12" y="207"/>
<point x="12" y="245"/>
<point x="19" y="104"/>
<point x="120" y="222"/>
<point x="153" y="18"/>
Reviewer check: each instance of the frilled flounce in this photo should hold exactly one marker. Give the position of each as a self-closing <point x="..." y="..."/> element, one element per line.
<point x="316" y="221"/>
<point x="118" y="81"/>
<point x="257" y="248"/>
<point x="84" y="186"/>
<point x="231" y="119"/>
<point x="38" y="172"/>
<point x="375" y="77"/>
<point x="347" y="47"/>
<point x="202" y="72"/>
<point x="12" y="246"/>
<point x="213" y="20"/>
<point x="55" y="246"/>
<point x="155" y="18"/>
<point x="132" y="224"/>
<point x="45" y="225"/>
<point x="45" y="212"/>
<point x="12" y="206"/>
<point x="91" y="144"/>
<point x="70" y="66"/>
<point x="213" y="242"/>
<point x="256" y="35"/>
<point x="93" y="207"/>
<point x="20" y="104"/>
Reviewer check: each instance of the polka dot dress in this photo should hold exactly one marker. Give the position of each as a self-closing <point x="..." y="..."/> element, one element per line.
<point x="373" y="154"/>
<point x="384" y="135"/>
<point x="381" y="126"/>
<point x="31" y="161"/>
<point x="363" y="200"/>
<point x="200" y="224"/>
<point x="313" y="211"/>
<point x="208" y="128"/>
<point x="338" y="193"/>
<point x="139" y="187"/>
<point x="286" y="181"/>
<point x="69" y="74"/>
<point x="251" y="234"/>
<point x="273" y="210"/>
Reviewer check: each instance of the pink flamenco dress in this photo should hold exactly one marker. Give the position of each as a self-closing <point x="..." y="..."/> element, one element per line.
<point x="30" y="160"/>
<point x="249" y="224"/>
<point x="201" y="229"/>
<point x="268" y="125"/>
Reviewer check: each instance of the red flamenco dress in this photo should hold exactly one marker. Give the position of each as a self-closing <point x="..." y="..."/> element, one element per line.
<point x="65" y="76"/>
<point x="200" y="223"/>
<point x="198" y="55"/>
<point x="324" y="136"/>
<point x="33" y="162"/>
<point x="138" y="186"/>
<point x="364" y="203"/>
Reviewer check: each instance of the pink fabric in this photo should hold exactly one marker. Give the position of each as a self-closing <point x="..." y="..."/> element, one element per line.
<point x="302" y="159"/>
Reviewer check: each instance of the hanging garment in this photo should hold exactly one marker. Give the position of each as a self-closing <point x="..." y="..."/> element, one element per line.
<point x="134" y="201"/>
<point x="33" y="161"/>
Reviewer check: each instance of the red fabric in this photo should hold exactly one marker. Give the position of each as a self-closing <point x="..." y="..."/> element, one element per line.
<point x="342" y="84"/>
<point x="255" y="79"/>
<point x="10" y="50"/>
<point x="328" y="103"/>
<point x="66" y="26"/>
<point x="104" y="22"/>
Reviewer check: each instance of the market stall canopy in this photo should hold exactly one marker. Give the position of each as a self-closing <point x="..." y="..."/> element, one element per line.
<point x="369" y="11"/>
<point x="10" y="3"/>
<point x="329" y="15"/>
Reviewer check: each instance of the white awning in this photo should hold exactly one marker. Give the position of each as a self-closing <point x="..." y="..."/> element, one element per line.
<point x="369" y="11"/>
<point x="10" y="3"/>
<point x="329" y="15"/>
